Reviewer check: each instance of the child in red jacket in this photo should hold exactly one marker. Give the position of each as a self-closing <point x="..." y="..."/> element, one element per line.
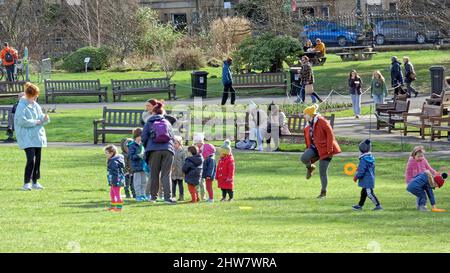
<point x="225" y="171"/>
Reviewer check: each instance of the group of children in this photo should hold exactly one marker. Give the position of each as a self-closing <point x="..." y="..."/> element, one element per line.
<point x="196" y="165"/>
<point x="421" y="178"/>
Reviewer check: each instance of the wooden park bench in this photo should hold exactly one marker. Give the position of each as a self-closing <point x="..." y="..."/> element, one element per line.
<point x="424" y="120"/>
<point x="352" y="56"/>
<point x="296" y="125"/>
<point x="11" y="89"/>
<point x="70" y="88"/>
<point x="7" y="121"/>
<point x="439" y="125"/>
<point x="443" y="100"/>
<point x="123" y="121"/>
<point x="260" y="81"/>
<point x="388" y="118"/>
<point x="142" y="86"/>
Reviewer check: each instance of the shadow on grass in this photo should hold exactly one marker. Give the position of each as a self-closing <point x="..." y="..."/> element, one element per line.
<point x="269" y="198"/>
<point x="127" y="203"/>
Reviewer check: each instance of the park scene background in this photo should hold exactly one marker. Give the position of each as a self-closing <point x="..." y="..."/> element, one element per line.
<point x="275" y="208"/>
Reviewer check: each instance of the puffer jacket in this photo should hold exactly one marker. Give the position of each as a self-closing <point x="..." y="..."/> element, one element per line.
<point x="193" y="168"/>
<point x="178" y="162"/>
<point x="28" y="133"/>
<point x="366" y="171"/>
<point x="116" y="175"/>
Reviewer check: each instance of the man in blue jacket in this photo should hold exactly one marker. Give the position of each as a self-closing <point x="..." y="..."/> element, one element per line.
<point x="227" y="81"/>
<point x="396" y="76"/>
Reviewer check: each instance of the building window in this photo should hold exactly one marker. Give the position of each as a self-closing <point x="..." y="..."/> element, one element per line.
<point x="180" y="21"/>
<point x="308" y="11"/>
<point x="325" y="12"/>
<point x="392" y="7"/>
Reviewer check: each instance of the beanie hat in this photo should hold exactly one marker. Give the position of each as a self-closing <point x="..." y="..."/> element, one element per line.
<point x="178" y="139"/>
<point x="226" y="147"/>
<point x="417" y="149"/>
<point x="208" y="150"/>
<point x="199" y="138"/>
<point x="311" y="111"/>
<point x="365" y="146"/>
<point x="440" y="179"/>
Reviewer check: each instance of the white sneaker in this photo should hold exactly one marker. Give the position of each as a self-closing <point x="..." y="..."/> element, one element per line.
<point x="27" y="187"/>
<point x="38" y="186"/>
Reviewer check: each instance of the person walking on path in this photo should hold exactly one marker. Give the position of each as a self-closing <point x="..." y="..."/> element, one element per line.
<point x="378" y="89"/>
<point x="29" y="122"/>
<point x="158" y="139"/>
<point x="410" y="76"/>
<point x="227" y="80"/>
<point x="321" y="145"/>
<point x="9" y="59"/>
<point x="355" y="87"/>
<point x="396" y="76"/>
<point x="307" y="82"/>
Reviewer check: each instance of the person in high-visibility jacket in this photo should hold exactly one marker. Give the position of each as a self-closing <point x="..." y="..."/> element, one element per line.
<point x="320" y="47"/>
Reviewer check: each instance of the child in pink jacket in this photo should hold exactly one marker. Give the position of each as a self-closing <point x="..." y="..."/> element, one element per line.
<point x="417" y="164"/>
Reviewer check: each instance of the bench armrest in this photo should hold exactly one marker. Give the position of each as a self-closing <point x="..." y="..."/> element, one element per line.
<point x="98" y="121"/>
<point x="105" y="88"/>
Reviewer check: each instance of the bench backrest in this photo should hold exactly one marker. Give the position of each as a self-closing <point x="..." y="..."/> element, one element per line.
<point x="140" y="83"/>
<point x="402" y="106"/>
<point x="432" y="110"/>
<point x="296" y="124"/>
<point x="132" y="118"/>
<point x="6" y="117"/>
<point x="259" y="79"/>
<point x="84" y="85"/>
<point x="12" y="87"/>
<point x="446" y="99"/>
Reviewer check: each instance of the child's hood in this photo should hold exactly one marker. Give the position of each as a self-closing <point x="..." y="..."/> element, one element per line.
<point x="369" y="158"/>
<point x="197" y="160"/>
<point x="119" y="160"/>
<point x="208" y="150"/>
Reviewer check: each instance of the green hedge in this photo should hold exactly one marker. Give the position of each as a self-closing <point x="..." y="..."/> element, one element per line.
<point x="100" y="59"/>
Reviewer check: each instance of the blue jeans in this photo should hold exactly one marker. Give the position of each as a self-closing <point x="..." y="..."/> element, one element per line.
<point x="10" y="72"/>
<point x="301" y="95"/>
<point x="378" y="99"/>
<point x="356" y="101"/>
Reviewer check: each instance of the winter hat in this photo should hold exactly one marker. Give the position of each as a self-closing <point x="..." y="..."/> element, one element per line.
<point x="208" y="150"/>
<point x="178" y="139"/>
<point x="199" y="138"/>
<point x="440" y="179"/>
<point x="417" y="149"/>
<point x="311" y="111"/>
<point x="225" y="149"/>
<point x="365" y="146"/>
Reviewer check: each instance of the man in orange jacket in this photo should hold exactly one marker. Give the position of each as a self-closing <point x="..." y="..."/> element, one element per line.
<point x="9" y="59"/>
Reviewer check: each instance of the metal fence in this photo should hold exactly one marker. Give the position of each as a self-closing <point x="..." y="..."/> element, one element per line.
<point x="377" y="29"/>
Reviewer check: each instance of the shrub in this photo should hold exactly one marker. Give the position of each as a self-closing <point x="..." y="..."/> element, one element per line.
<point x="213" y="62"/>
<point x="267" y="52"/>
<point x="188" y="58"/>
<point x="100" y="59"/>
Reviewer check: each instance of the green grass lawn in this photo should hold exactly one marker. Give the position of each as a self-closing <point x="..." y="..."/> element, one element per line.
<point x="275" y="211"/>
<point x="333" y="75"/>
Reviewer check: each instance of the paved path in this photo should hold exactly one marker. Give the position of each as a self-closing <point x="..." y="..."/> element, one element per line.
<point x="335" y="98"/>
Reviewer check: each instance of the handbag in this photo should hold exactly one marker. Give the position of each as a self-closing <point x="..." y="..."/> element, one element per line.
<point x="309" y="89"/>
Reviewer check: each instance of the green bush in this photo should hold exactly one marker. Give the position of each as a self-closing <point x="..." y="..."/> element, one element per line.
<point x="100" y="59"/>
<point x="267" y="52"/>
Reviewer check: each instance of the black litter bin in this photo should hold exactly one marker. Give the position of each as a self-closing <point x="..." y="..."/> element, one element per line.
<point x="295" y="80"/>
<point x="199" y="83"/>
<point x="437" y="79"/>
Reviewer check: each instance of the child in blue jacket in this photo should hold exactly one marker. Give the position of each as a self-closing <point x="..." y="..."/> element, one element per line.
<point x="136" y="156"/>
<point x="424" y="184"/>
<point x="366" y="176"/>
<point x="116" y="176"/>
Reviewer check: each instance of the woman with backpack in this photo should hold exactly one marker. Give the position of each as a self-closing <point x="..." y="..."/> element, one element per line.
<point x="158" y="139"/>
<point x="410" y="76"/>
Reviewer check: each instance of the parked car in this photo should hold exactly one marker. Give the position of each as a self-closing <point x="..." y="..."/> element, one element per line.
<point x="332" y="33"/>
<point x="403" y="31"/>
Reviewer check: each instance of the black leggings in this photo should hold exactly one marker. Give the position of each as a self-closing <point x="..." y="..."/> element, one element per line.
<point x="230" y="193"/>
<point x="33" y="167"/>
<point x="228" y="89"/>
